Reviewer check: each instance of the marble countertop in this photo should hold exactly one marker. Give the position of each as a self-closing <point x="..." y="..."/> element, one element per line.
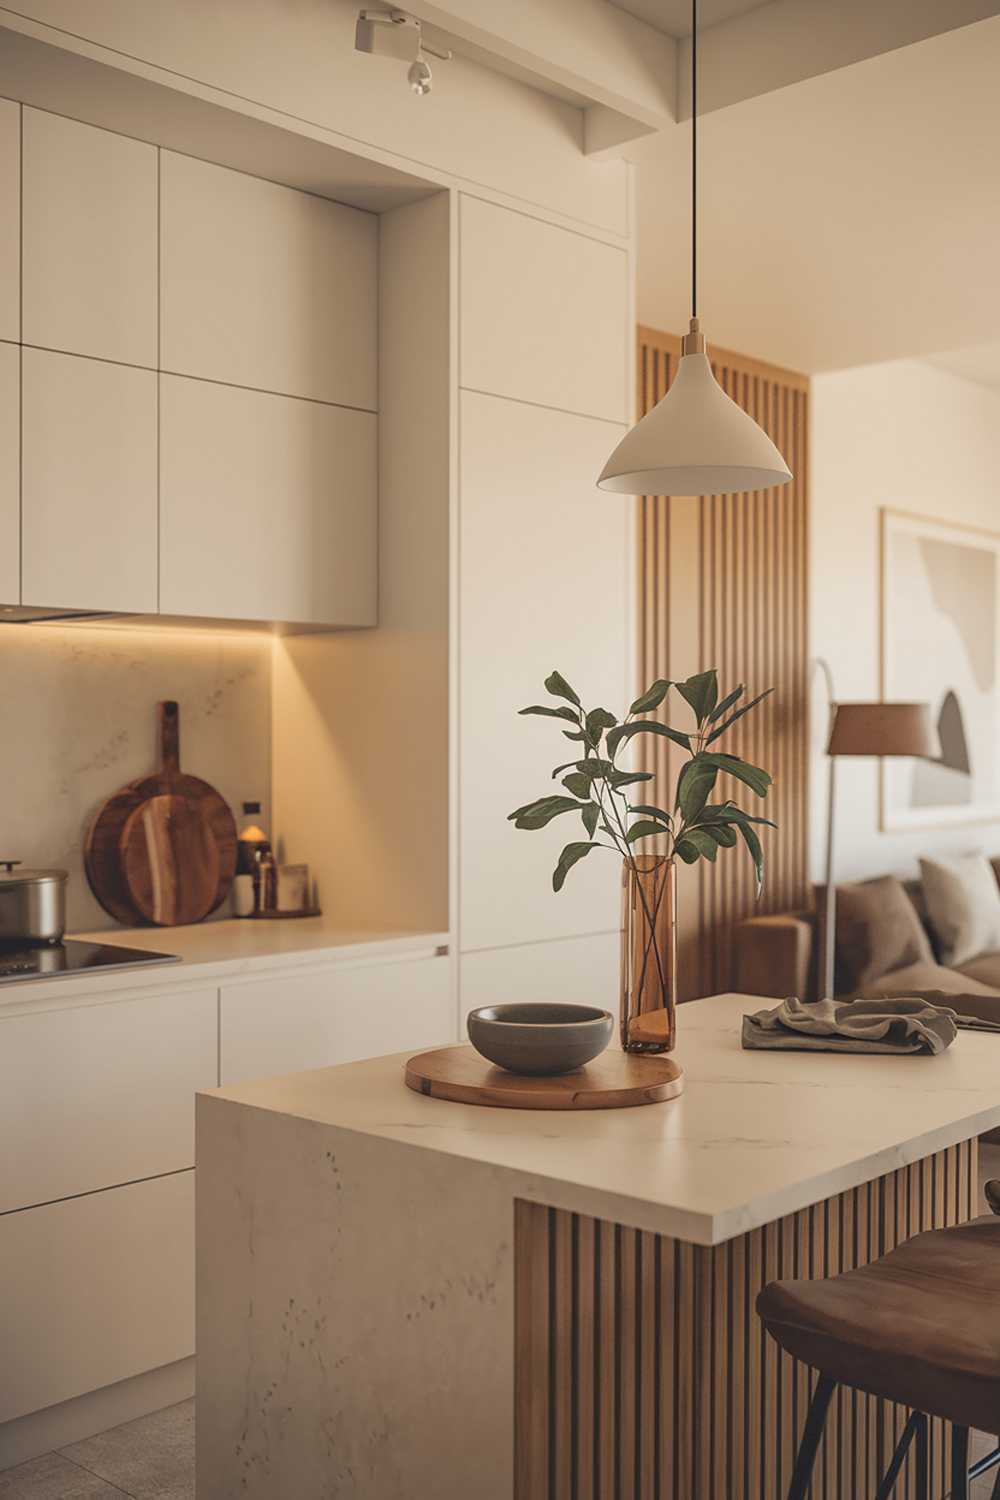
<point x="754" y="1136"/>
<point x="217" y="952"/>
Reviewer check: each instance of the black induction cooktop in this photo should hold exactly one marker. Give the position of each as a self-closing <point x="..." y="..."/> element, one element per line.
<point x="60" y="960"/>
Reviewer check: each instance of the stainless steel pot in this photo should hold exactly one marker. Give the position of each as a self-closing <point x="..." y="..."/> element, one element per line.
<point x="32" y="904"/>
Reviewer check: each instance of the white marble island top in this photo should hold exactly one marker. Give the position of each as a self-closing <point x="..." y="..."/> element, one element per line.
<point x="755" y="1135"/>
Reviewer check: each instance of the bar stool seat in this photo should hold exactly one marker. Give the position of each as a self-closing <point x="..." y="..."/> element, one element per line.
<point x="920" y="1326"/>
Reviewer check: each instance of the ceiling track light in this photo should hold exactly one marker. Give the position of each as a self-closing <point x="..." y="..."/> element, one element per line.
<point x="696" y="441"/>
<point x="395" y="33"/>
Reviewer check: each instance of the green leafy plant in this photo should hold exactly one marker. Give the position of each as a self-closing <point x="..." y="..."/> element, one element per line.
<point x="600" y="791"/>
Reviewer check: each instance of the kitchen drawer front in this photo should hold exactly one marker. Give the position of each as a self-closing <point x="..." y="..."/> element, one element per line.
<point x="544" y="315"/>
<point x="266" y="286"/>
<point x="98" y="1095"/>
<point x="268" y="507"/>
<point x="338" y="1015"/>
<point x="577" y="971"/>
<point x="95" y="1290"/>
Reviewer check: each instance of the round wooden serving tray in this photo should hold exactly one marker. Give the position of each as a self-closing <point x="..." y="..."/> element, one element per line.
<point x="615" y="1080"/>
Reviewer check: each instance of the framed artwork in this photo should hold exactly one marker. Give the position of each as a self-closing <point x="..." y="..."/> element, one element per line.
<point x="941" y="644"/>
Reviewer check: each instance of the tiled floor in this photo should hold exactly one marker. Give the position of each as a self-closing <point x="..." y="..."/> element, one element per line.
<point x="149" y="1459"/>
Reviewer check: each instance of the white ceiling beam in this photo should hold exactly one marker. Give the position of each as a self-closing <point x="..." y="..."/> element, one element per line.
<point x="786" y="41"/>
<point x="619" y="70"/>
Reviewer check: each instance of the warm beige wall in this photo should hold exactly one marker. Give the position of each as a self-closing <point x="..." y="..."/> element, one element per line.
<point x="914" y="438"/>
<point x="361" y="717"/>
<point x="80" y="721"/>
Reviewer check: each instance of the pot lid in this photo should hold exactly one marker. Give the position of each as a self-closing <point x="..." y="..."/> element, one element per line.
<point x="12" y="873"/>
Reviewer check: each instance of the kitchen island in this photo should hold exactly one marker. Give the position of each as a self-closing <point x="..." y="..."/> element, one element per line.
<point x="402" y="1297"/>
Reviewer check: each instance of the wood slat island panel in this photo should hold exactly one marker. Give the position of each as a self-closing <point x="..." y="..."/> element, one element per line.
<point x="641" y="1369"/>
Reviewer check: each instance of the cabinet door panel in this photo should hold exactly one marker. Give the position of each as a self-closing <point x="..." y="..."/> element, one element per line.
<point x="268" y="287"/>
<point x="89" y="240"/>
<point x="88" y="496"/>
<point x="102" y="1094"/>
<point x="96" y="1289"/>
<point x="544" y="313"/>
<point x="10" y="474"/>
<point x="275" y="1026"/>
<point x="10" y="219"/>
<point x="268" y="507"/>
<point x="576" y="971"/>
<point x="528" y="497"/>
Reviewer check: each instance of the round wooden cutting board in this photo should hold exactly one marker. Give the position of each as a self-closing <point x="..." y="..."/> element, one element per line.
<point x="615" y="1080"/>
<point x="163" y="849"/>
<point x="170" y="860"/>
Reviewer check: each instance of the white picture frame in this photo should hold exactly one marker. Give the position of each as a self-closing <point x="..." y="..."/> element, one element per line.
<point x="940" y="643"/>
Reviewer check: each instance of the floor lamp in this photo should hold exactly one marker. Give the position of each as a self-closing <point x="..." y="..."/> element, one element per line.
<point x="877" y="729"/>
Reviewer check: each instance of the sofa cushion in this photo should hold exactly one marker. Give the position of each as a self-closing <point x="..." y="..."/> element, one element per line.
<point x="878" y="931"/>
<point x="963" y="903"/>
<point x="970" y="997"/>
<point x="985" y="969"/>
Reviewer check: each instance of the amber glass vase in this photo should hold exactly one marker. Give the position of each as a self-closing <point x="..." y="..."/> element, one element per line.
<point x="648" y="998"/>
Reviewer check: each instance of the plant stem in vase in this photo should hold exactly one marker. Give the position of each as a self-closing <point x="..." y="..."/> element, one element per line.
<point x="692" y="827"/>
<point x="648" y="991"/>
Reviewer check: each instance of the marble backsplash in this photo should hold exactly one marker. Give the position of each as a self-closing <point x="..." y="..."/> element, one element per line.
<point x="79" y="716"/>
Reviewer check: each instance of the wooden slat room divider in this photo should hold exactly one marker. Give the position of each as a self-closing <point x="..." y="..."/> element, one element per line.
<point x="723" y="583"/>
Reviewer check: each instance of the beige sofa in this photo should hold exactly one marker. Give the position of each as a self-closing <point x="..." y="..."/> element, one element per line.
<point x="779" y="956"/>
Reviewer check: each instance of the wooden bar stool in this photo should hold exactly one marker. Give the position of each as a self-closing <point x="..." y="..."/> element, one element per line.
<point x="921" y="1327"/>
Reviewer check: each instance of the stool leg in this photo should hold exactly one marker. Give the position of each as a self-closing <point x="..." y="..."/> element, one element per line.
<point x="898" y="1458"/>
<point x="959" y="1464"/>
<point x="923" y="1481"/>
<point x="811" y="1436"/>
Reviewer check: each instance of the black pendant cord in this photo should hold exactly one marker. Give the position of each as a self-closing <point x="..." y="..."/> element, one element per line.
<point x="694" y="158"/>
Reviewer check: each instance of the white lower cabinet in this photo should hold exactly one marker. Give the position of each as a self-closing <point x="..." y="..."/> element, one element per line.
<point x="97" y="1095"/>
<point x="335" y="1015"/>
<point x="580" y="971"/>
<point x="95" y="1290"/>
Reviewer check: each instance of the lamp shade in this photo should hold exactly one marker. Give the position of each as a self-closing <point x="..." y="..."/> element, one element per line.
<point x="883" y="729"/>
<point x="696" y="441"/>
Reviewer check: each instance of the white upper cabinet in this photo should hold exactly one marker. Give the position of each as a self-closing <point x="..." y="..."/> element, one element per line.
<point x="10" y="221"/>
<point x="268" y="507"/>
<point x="89" y="240"/>
<point x="267" y="287"/>
<point x="88" y="484"/>
<point x="543" y="584"/>
<point x="544" y="313"/>
<point x="10" y="463"/>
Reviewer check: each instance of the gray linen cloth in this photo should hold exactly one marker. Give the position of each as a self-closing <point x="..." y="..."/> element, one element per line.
<point x="897" y="1025"/>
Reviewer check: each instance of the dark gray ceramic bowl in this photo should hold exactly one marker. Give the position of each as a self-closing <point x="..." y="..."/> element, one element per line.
<point x="539" y="1038"/>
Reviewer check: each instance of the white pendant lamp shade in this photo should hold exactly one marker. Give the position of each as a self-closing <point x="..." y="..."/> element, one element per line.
<point x="696" y="441"/>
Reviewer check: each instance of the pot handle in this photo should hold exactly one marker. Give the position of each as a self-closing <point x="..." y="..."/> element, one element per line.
<point x="10" y="865"/>
<point x="170" y="737"/>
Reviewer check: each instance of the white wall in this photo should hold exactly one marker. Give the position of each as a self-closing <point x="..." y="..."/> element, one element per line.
<point x="911" y="437"/>
<point x="481" y="128"/>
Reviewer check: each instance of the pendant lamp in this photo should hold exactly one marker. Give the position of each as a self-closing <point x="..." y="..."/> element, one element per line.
<point x="696" y="441"/>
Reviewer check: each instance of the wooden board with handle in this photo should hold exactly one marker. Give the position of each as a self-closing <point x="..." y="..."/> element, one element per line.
<point x="163" y="849"/>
